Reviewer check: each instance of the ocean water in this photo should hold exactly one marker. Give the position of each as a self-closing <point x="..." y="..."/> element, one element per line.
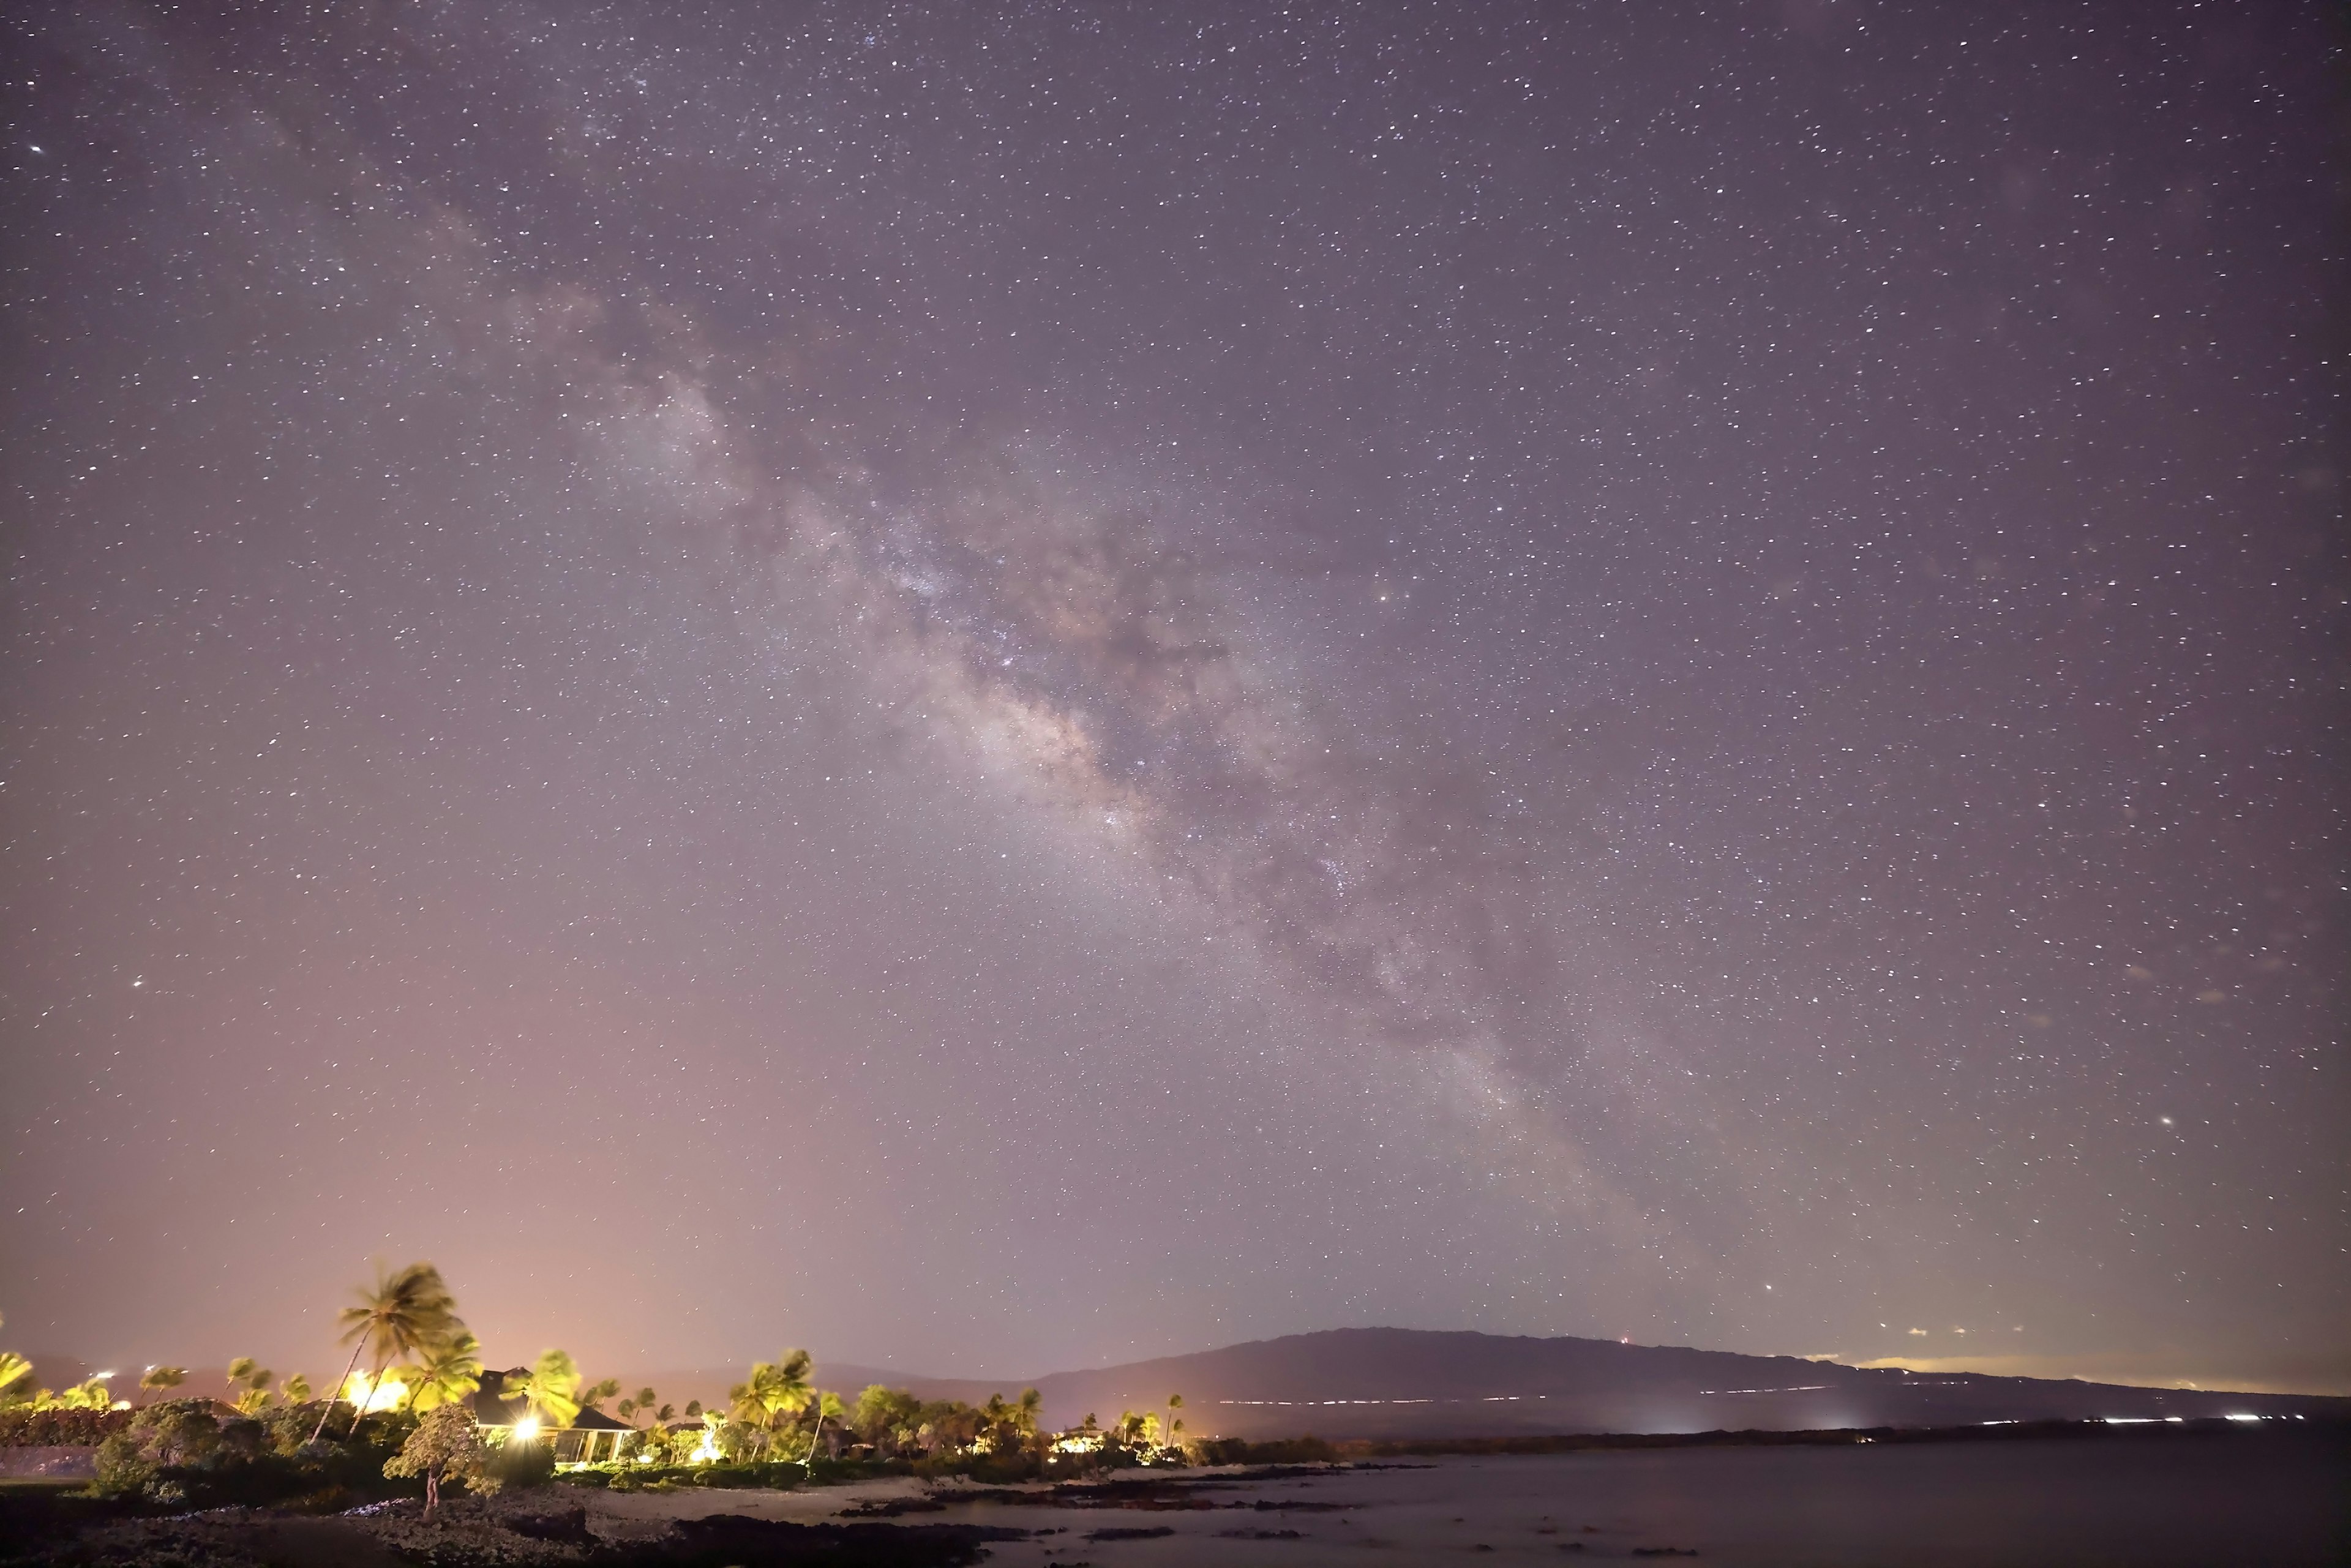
<point x="2232" y="1498"/>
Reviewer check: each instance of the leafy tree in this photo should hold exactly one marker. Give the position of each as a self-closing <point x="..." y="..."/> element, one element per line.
<point x="444" y="1447"/>
<point x="950" y="1423"/>
<point x="403" y="1314"/>
<point x="447" y="1373"/>
<point x="156" y="1379"/>
<point x="167" y="1435"/>
<point x="889" y="1418"/>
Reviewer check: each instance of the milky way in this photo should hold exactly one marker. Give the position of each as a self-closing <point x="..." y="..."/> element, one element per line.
<point x="999" y="689"/>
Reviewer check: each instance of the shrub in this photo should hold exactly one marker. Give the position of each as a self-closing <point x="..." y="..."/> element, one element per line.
<point x="521" y="1465"/>
<point x="169" y="1435"/>
<point x="26" y="1427"/>
<point x="1281" y="1452"/>
<point x="181" y="1453"/>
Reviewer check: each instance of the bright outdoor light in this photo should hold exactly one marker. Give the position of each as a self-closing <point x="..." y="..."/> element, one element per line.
<point x="527" y="1429"/>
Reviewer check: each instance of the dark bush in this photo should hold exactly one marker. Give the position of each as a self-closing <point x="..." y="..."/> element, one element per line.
<point x="1281" y="1451"/>
<point x="180" y="1453"/>
<point x="522" y="1465"/>
<point x="30" y="1429"/>
<point x="166" y="1436"/>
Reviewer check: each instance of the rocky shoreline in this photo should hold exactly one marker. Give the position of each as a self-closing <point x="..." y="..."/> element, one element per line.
<point x="539" y="1529"/>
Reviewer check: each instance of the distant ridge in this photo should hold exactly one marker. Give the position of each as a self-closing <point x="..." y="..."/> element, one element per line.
<point x="1417" y="1383"/>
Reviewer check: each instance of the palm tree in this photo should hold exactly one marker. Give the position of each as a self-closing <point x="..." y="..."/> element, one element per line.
<point x="1175" y="1403"/>
<point x="158" y="1379"/>
<point x="13" y="1369"/>
<point x="405" y="1313"/>
<point x="296" y="1390"/>
<point x="743" y="1403"/>
<point x="995" y="1416"/>
<point x="593" y="1397"/>
<point x="445" y="1374"/>
<point x="90" y="1396"/>
<point x="255" y="1398"/>
<point x="552" y="1387"/>
<point x="828" y="1408"/>
<point x="243" y="1367"/>
<point x="775" y="1388"/>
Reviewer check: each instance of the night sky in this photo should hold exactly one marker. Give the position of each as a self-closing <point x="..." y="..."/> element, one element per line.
<point x="996" y="688"/>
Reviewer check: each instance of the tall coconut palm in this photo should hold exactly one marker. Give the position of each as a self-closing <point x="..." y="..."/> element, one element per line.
<point x="779" y="1388"/>
<point x="1175" y="1403"/>
<point x="443" y="1375"/>
<point x="297" y="1389"/>
<point x="14" y="1372"/>
<point x="156" y="1379"/>
<point x="995" y="1420"/>
<point x="402" y="1314"/>
<point x="243" y="1367"/>
<point x="829" y="1407"/>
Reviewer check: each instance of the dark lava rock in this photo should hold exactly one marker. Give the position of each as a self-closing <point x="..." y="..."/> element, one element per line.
<point x="566" y="1527"/>
<point x="725" y="1540"/>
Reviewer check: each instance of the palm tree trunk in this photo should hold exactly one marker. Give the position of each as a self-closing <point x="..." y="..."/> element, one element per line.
<point x="375" y="1380"/>
<point x="814" y="1438"/>
<point x="329" y="1410"/>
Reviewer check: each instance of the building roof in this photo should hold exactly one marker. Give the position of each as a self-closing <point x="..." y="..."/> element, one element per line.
<point x="492" y="1407"/>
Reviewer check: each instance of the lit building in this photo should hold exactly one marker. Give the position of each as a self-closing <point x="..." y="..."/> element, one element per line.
<point x="593" y="1438"/>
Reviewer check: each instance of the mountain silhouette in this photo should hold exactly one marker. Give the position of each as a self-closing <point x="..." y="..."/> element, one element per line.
<point x="1414" y="1382"/>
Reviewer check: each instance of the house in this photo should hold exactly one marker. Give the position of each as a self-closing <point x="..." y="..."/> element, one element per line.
<point x="592" y="1438"/>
